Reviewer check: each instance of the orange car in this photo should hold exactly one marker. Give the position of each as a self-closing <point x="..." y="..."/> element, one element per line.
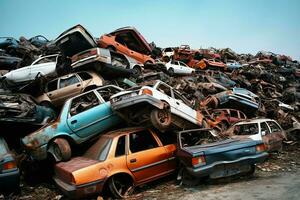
<point x="129" y="41"/>
<point x="117" y="162"/>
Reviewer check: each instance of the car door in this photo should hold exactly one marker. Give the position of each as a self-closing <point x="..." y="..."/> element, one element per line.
<point x="89" y="115"/>
<point x="277" y="135"/>
<point x="51" y="91"/>
<point x="147" y="159"/>
<point x="68" y="86"/>
<point x="43" y="67"/>
<point x="265" y="135"/>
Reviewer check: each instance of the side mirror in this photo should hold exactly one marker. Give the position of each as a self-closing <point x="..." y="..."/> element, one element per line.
<point x="263" y="133"/>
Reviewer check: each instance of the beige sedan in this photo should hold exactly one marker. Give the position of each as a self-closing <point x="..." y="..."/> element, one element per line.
<point x="58" y="90"/>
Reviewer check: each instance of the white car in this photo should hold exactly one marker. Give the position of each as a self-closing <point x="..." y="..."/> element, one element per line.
<point x="157" y="102"/>
<point x="168" y="52"/>
<point x="178" y="67"/>
<point x="266" y="130"/>
<point x="43" y="66"/>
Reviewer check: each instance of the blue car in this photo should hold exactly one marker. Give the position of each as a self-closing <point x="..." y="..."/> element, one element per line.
<point x="232" y="65"/>
<point x="203" y="154"/>
<point x="81" y="118"/>
<point x="9" y="172"/>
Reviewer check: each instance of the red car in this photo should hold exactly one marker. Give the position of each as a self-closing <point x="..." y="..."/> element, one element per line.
<point x="129" y="41"/>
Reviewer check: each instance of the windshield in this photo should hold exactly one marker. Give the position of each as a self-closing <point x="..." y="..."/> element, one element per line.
<point x="201" y="137"/>
<point x="100" y="149"/>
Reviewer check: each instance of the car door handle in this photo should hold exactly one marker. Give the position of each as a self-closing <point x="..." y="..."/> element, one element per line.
<point x="133" y="160"/>
<point x="50" y="95"/>
<point x="74" y="121"/>
<point x="78" y="85"/>
<point x="177" y="103"/>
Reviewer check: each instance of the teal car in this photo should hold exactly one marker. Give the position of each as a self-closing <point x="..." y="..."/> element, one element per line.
<point x="82" y="118"/>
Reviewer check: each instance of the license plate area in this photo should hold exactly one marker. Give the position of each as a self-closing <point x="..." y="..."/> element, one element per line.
<point x="229" y="170"/>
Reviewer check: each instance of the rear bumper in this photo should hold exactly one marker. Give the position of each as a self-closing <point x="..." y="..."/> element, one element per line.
<point x="9" y="181"/>
<point x="79" y="191"/>
<point x="206" y="170"/>
<point x="138" y="99"/>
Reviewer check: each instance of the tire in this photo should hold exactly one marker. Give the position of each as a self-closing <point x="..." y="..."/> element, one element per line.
<point x="119" y="187"/>
<point x="137" y="71"/>
<point x="251" y="171"/>
<point x="187" y="179"/>
<point x="161" y="118"/>
<point x="171" y="71"/>
<point x="61" y="149"/>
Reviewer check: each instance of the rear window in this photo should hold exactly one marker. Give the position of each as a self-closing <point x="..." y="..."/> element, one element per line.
<point x="99" y="150"/>
<point x="245" y="129"/>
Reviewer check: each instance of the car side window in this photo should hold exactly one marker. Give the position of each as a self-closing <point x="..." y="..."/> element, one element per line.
<point x="234" y="114"/>
<point x="84" y="103"/>
<point x="84" y="76"/>
<point x="141" y="141"/>
<point x="64" y="82"/>
<point x="52" y="85"/>
<point x="264" y="127"/>
<point x="165" y="89"/>
<point x="46" y="60"/>
<point x="246" y="129"/>
<point x="120" y="150"/>
<point x="274" y="127"/>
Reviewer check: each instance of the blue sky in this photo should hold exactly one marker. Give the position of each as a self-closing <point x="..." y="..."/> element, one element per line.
<point x="243" y="25"/>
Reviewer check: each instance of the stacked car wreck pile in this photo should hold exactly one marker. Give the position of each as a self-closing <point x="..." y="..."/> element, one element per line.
<point x="207" y="112"/>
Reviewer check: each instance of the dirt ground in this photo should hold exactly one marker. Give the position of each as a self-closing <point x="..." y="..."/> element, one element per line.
<point x="277" y="178"/>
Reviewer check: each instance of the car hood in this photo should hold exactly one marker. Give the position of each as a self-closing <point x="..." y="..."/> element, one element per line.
<point x="75" y="40"/>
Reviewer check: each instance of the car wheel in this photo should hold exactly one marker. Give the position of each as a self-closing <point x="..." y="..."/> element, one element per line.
<point x="251" y="171"/>
<point x="61" y="149"/>
<point x="120" y="187"/>
<point x="187" y="179"/>
<point x="161" y="118"/>
<point x="137" y="71"/>
<point x="171" y="71"/>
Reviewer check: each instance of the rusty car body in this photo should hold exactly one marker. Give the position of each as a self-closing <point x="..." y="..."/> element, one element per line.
<point x="237" y="98"/>
<point x="118" y="161"/>
<point x="22" y="108"/>
<point x="266" y="130"/>
<point x="82" y="117"/>
<point x="203" y="154"/>
<point x="79" y="46"/>
<point x="129" y="41"/>
<point x="57" y="91"/>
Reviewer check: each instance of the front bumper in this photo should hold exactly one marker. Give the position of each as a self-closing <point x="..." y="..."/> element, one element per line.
<point x="207" y="170"/>
<point x="137" y="99"/>
<point x="80" y="191"/>
<point x="9" y="181"/>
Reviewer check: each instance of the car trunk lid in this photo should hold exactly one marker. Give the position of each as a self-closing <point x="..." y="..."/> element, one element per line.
<point x="75" y="40"/>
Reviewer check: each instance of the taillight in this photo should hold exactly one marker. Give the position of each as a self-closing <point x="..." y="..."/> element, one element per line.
<point x="10" y="165"/>
<point x="93" y="52"/>
<point x="260" y="148"/>
<point x="198" y="160"/>
<point x="147" y="91"/>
